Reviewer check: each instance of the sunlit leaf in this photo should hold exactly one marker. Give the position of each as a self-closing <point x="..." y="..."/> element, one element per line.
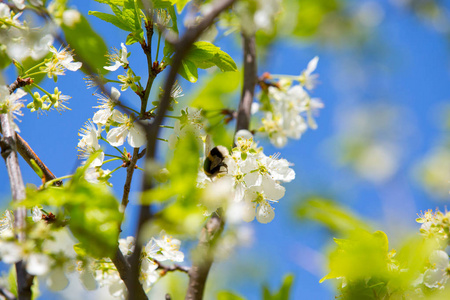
<point x="87" y="44"/>
<point x="227" y="295"/>
<point x="329" y="213"/>
<point x="283" y="293"/>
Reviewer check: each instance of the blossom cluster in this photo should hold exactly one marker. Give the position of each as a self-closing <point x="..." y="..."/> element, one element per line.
<point x="163" y="248"/>
<point x="120" y="127"/>
<point x="252" y="178"/>
<point x="49" y="254"/>
<point x="285" y="106"/>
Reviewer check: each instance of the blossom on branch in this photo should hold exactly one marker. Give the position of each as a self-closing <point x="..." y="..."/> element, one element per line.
<point x="118" y="59"/>
<point x="127" y="129"/>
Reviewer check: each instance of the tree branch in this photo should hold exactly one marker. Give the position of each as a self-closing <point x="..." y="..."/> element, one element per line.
<point x="130" y="172"/>
<point x="9" y="154"/>
<point x="248" y="88"/>
<point x="203" y="255"/>
<point x="182" y="47"/>
<point x="28" y="154"/>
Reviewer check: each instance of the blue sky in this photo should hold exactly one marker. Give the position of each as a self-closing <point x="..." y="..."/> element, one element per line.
<point x="404" y="67"/>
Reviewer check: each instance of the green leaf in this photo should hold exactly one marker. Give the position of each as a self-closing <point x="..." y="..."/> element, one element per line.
<point x="205" y="55"/>
<point x="128" y="14"/>
<point x="329" y="213"/>
<point x="227" y="295"/>
<point x="312" y="14"/>
<point x="28" y="63"/>
<point x="188" y="70"/>
<point x="94" y="218"/>
<point x="111" y="19"/>
<point x="4" y="58"/>
<point x="180" y="194"/>
<point x="173" y="17"/>
<point x="12" y="280"/>
<point x="180" y="4"/>
<point x="112" y="2"/>
<point x="92" y="211"/>
<point x="87" y="44"/>
<point x="135" y="37"/>
<point x="204" y="52"/>
<point x="283" y="293"/>
<point x="363" y="255"/>
<point x="221" y="87"/>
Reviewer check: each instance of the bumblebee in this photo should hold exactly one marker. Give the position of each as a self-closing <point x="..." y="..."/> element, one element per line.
<point x="214" y="163"/>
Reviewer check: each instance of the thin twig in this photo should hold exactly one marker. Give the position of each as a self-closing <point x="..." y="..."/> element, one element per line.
<point x="182" y="47"/>
<point x="28" y="154"/>
<point x="172" y="268"/>
<point x="203" y="255"/>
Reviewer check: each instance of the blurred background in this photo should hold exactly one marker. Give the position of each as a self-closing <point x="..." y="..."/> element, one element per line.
<point x="380" y="155"/>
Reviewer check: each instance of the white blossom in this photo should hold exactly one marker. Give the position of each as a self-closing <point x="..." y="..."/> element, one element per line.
<point x="126" y="246"/>
<point x="96" y="174"/>
<point x="165" y="248"/>
<point x="71" y="17"/>
<point x="255" y="182"/>
<point x="132" y="131"/>
<point x="437" y="276"/>
<point x="38" y="264"/>
<point x="8" y="17"/>
<point x="61" y="60"/>
<point x="88" y="143"/>
<point x="6" y="224"/>
<point x="106" y="106"/>
<point x="11" y="104"/>
<point x="36" y="214"/>
<point x="190" y="122"/>
<point x="307" y="79"/>
<point x="19" y="3"/>
<point x="10" y="252"/>
<point x="149" y="274"/>
<point x="119" y="59"/>
<point x="65" y="58"/>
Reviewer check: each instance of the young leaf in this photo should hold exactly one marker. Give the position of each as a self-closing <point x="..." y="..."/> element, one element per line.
<point x="188" y="70"/>
<point x="205" y="55"/>
<point x="87" y="44"/>
<point x="227" y="295"/>
<point x="111" y="19"/>
<point x="283" y="293"/>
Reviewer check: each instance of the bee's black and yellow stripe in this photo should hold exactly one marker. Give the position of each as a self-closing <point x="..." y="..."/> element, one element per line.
<point x="214" y="161"/>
